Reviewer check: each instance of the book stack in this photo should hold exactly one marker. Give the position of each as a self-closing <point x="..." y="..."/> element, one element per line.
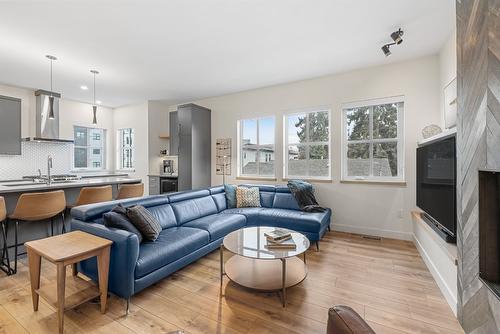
<point x="280" y="239"/>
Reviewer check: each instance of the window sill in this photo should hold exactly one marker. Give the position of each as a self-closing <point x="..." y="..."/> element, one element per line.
<point x="256" y="178"/>
<point x="376" y="182"/>
<point x="132" y="170"/>
<point x="313" y="180"/>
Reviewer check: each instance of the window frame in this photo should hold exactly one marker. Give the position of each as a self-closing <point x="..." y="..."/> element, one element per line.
<point x="239" y="154"/>
<point x="89" y="149"/>
<point x="400" y="139"/>
<point x="121" y="147"/>
<point x="307" y="111"/>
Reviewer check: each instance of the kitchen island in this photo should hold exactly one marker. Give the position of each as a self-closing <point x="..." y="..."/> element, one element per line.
<point x="11" y="190"/>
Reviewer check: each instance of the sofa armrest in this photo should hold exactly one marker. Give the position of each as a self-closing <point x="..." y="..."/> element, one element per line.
<point x="123" y="257"/>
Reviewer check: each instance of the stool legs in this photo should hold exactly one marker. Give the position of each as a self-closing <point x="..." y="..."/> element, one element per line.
<point x="63" y="223"/>
<point x="5" y="263"/>
<point x="15" y="247"/>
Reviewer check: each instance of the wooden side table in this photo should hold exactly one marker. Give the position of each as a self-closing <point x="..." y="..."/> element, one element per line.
<point x="64" y="250"/>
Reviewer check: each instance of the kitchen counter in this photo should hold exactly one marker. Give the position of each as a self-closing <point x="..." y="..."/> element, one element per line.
<point x="24" y="185"/>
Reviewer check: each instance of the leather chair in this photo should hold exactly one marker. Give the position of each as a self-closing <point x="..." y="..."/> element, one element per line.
<point x="130" y="191"/>
<point x="34" y="207"/>
<point x="4" y="264"/>
<point x="90" y="195"/>
<point x="344" y="320"/>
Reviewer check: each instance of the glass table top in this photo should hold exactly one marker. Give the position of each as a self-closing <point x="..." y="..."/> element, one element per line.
<point x="250" y="242"/>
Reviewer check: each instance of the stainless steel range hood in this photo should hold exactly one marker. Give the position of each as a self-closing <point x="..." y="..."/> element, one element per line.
<point x="46" y="129"/>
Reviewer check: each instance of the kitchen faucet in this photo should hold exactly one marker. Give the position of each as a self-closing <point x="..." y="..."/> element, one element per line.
<point x="49" y="166"/>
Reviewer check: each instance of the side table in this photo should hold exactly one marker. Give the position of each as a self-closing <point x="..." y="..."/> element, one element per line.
<point x="64" y="250"/>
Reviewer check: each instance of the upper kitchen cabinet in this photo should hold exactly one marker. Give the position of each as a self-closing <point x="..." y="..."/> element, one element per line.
<point x="10" y="125"/>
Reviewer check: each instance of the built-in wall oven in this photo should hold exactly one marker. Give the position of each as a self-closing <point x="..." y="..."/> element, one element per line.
<point x="168" y="184"/>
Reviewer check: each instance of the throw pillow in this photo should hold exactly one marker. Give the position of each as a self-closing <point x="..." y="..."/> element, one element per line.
<point x="247" y="197"/>
<point x="118" y="220"/>
<point x="230" y="191"/>
<point x="144" y="221"/>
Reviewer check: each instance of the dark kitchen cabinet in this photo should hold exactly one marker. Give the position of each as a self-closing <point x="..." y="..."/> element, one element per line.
<point x="10" y="125"/>
<point x="190" y="138"/>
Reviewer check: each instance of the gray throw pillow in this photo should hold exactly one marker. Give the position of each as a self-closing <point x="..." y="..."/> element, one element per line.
<point x="117" y="220"/>
<point x="145" y="222"/>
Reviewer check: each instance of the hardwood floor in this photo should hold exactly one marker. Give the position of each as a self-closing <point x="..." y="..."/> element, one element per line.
<point x="385" y="281"/>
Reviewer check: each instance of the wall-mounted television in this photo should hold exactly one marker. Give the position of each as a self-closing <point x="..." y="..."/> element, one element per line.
<point x="436" y="185"/>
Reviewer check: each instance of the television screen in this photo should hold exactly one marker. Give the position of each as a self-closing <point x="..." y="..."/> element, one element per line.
<point x="436" y="182"/>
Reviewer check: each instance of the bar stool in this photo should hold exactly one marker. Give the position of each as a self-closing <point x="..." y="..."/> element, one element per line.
<point x="5" y="263"/>
<point x="33" y="207"/>
<point x="130" y="190"/>
<point x="90" y="195"/>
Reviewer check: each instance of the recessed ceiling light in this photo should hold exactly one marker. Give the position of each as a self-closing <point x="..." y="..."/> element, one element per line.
<point x="98" y="102"/>
<point x="83" y="87"/>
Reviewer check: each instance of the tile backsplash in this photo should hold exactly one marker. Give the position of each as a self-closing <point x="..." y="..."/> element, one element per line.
<point x="34" y="156"/>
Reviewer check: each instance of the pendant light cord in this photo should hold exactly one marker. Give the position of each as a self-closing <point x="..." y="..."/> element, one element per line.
<point x="50" y="77"/>
<point x="94" y="88"/>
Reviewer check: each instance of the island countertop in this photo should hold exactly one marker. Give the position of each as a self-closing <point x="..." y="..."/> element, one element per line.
<point x="24" y="186"/>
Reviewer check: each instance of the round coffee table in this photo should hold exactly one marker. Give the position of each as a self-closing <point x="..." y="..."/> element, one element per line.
<point x="256" y="267"/>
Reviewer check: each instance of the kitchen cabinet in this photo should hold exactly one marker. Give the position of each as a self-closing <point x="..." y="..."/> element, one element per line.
<point x="190" y="126"/>
<point x="10" y="125"/>
<point x="154" y="185"/>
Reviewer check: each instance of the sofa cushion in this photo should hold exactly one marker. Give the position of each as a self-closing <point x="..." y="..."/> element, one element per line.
<point x="220" y="201"/>
<point x="172" y="244"/>
<point x="144" y="221"/>
<point x="285" y="200"/>
<point x="191" y="209"/>
<point x="120" y="221"/>
<point x="247" y="197"/>
<point x="164" y="214"/>
<point x="218" y="225"/>
<point x="294" y="220"/>
<point x="251" y="214"/>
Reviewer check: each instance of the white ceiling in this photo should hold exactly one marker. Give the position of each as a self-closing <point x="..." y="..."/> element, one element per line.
<point x="180" y="50"/>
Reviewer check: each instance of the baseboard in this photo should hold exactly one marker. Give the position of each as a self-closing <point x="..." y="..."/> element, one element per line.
<point x="445" y="289"/>
<point x="373" y="231"/>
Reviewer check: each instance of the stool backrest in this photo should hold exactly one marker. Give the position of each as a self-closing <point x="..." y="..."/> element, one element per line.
<point x="39" y="206"/>
<point x="130" y="191"/>
<point x="89" y="195"/>
<point x="3" y="209"/>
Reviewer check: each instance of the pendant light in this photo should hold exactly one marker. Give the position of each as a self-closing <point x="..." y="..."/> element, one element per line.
<point x="94" y="107"/>
<point x="51" y="97"/>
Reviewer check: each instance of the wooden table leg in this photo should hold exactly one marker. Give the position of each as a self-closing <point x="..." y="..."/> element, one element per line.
<point x="34" y="262"/>
<point x="103" y="271"/>
<point x="61" y="285"/>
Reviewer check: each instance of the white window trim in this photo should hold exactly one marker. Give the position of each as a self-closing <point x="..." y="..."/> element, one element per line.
<point x="239" y="147"/>
<point x="120" y="149"/>
<point x="103" y="153"/>
<point x="400" y="140"/>
<point x="329" y="143"/>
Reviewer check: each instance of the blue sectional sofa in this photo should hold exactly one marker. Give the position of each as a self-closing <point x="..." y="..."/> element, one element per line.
<point x="194" y="224"/>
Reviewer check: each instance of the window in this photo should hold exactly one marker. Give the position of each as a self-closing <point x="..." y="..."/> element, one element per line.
<point x="373" y="140"/>
<point x="126" y="148"/>
<point x="256" y="147"/>
<point x="307" y="144"/>
<point x="89" y="148"/>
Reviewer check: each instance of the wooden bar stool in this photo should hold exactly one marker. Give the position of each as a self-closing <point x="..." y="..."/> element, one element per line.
<point x="33" y="207"/>
<point x="130" y="190"/>
<point x="90" y="195"/>
<point x="5" y="263"/>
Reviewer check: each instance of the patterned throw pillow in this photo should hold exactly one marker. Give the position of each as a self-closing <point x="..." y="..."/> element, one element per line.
<point x="247" y="197"/>
<point x="142" y="219"/>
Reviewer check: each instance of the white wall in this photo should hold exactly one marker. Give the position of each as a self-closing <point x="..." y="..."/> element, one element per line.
<point x="158" y="124"/>
<point x="363" y="208"/>
<point x="136" y="117"/>
<point x="447" y="67"/>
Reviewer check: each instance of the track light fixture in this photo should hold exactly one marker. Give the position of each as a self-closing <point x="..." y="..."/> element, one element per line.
<point x="397" y="37"/>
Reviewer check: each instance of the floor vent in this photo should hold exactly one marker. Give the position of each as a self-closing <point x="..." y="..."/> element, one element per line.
<point x="371" y="237"/>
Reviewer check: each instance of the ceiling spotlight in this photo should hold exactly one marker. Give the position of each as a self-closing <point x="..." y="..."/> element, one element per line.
<point x="397" y="36"/>
<point x="386" y="50"/>
<point x="83" y="87"/>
